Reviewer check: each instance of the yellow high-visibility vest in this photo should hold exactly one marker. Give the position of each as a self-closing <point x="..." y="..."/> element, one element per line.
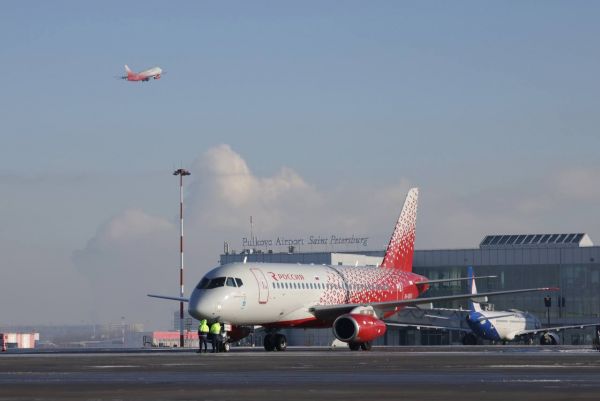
<point x="215" y="328"/>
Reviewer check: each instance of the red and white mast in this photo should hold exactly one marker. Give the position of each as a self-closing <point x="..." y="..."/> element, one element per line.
<point x="181" y="173"/>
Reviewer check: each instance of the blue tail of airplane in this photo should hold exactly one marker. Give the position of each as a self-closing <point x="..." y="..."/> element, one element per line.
<point x="473" y="306"/>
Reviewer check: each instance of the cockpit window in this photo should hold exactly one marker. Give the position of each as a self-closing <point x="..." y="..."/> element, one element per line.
<point x="216" y="282"/>
<point x="230" y="282"/>
<point x="239" y="282"/>
<point x="203" y="284"/>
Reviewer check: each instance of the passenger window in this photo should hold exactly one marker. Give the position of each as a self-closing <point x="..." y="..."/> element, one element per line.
<point x="230" y="282"/>
<point x="286" y="286"/>
<point x="273" y="284"/>
<point x="239" y="282"/>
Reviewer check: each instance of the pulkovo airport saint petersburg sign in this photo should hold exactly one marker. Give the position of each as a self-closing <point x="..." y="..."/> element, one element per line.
<point x="312" y="240"/>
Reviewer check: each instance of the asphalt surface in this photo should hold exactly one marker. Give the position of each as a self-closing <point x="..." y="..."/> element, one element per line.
<point x="420" y="373"/>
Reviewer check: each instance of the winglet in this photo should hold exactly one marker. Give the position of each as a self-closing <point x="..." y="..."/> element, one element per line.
<point x="127" y="68"/>
<point x="399" y="253"/>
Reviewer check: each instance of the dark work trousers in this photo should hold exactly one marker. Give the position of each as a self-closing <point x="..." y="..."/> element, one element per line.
<point x="202" y="341"/>
<point x="214" y="338"/>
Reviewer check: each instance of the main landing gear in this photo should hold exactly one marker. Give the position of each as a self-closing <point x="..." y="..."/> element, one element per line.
<point x="366" y="346"/>
<point x="275" y="342"/>
<point x="224" y="347"/>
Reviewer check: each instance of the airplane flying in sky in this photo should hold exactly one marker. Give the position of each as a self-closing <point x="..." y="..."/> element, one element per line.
<point x="352" y="300"/>
<point x="508" y="325"/>
<point x="154" y="73"/>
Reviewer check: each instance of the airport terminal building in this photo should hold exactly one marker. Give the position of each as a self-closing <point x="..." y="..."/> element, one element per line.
<point x="568" y="261"/>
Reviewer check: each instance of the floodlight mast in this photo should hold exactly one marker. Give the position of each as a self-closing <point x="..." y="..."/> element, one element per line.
<point x="181" y="173"/>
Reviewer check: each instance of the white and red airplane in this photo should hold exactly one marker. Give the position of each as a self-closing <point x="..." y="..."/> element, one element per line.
<point x="154" y="72"/>
<point x="354" y="301"/>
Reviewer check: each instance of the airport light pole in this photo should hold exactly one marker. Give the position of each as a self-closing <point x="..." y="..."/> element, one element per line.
<point x="548" y="304"/>
<point x="181" y="173"/>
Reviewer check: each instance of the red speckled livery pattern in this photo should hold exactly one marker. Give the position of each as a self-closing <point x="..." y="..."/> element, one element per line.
<point x="368" y="284"/>
<point x="399" y="253"/>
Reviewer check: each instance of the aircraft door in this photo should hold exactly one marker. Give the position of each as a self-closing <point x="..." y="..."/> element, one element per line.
<point x="263" y="286"/>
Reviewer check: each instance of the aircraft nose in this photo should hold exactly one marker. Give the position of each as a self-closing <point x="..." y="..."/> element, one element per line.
<point x="201" y="305"/>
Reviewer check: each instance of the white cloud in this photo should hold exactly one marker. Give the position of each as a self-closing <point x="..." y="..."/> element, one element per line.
<point x="130" y="255"/>
<point x="225" y="193"/>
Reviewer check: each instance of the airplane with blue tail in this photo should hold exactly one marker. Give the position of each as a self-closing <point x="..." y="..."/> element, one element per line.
<point x="509" y="325"/>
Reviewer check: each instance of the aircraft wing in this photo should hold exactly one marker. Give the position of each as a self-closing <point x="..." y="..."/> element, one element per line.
<point x="330" y="312"/>
<point x="171" y="298"/>
<point x="556" y="328"/>
<point x="425" y="326"/>
<point x="449" y="280"/>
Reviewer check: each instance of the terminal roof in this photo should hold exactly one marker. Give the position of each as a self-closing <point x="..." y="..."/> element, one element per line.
<point x="536" y="240"/>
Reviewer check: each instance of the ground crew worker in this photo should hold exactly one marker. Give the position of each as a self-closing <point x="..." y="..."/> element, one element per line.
<point x="215" y="334"/>
<point x="203" y="330"/>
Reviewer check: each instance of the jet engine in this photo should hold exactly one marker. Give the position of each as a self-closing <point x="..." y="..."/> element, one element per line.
<point x="358" y="328"/>
<point x="549" y="339"/>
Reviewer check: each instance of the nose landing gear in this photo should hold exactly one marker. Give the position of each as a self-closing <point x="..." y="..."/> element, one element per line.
<point x="275" y="342"/>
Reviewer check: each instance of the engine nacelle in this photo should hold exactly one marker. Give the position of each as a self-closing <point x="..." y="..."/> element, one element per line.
<point x="358" y="328"/>
<point x="549" y="339"/>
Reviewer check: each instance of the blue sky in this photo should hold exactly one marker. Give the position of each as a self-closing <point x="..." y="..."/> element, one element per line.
<point x="490" y="107"/>
<point x="430" y="83"/>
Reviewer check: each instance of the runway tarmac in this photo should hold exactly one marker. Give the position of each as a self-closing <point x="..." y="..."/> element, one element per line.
<point x="419" y="373"/>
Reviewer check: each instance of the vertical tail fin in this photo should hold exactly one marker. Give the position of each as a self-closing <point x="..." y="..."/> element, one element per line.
<point x="129" y="72"/>
<point x="399" y="253"/>
<point x="473" y="306"/>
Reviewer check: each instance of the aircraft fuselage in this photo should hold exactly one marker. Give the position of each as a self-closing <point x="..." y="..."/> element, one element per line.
<point x="280" y="295"/>
<point x="501" y="325"/>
